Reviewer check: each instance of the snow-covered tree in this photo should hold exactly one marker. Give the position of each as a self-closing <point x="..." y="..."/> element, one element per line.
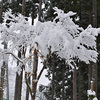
<point x="62" y="36"/>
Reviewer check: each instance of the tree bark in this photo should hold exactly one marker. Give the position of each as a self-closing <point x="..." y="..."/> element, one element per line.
<point x="94" y="13"/>
<point x="23" y="7"/>
<point x="27" y="90"/>
<point x="34" y="77"/>
<point x="79" y="82"/>
<point x="63" y="82"/>
<point x="2" y="80"/>
<point x="40" y="6"/>
<point x="2" y="68"/>
<point x="18" y="84"/>
<point x="1" y="11"/>
<point x="53" y="71"/>
<point x="89" y="75"/>
<point x="74" y="84"/>
<point x="95" y="25"/>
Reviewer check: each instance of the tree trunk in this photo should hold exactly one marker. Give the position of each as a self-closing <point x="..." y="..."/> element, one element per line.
<point x="63" y="82"/>
<point x="18" y="84"/>
<point x="94" y="13"/>
<point x="23" y="7"/>
<point x="1" y="11"/>
<point x="40" y="6"/>
<point x="89" y="75"/>
<point x="27" y="90"/>
<point x="34" y="77"/>
<point x="95" y="25"/>
<point x="19" y="77"/>
<point x="33" y="14"/>
<point x="53" y="71"/>
<point x="2" y="68"/>
<point x="71" y="86"/>
<point x="2" y="80"/>
<point x="90" y="17"/>
<point x="74" y="84"/>
<point x="79" y="82"/>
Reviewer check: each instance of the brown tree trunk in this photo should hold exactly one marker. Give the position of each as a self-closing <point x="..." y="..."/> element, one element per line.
<point x="94" y="13"/>
<point x="90" y="17"/>
<point x="18" y="86"/>
<point x="23" y="7"/>
<point x="2" y="81"/>
<point x="18" y="83"/>
<point x="79" y="82"/>
<point x="94" y="71"/>
<point x="27" y="90"/>
<point x="74" y="84"/>
<point x="53" y="71"/>
<point x="34" y="77"/>
<point x="40" y="6"/>
<point x="1" y="7"/>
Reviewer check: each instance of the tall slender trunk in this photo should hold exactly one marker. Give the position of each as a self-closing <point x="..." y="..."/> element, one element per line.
<point x="23" y="7"/>
<point x="34" y="77"/>
<point x="1" y="7"/>
<point x="63" y="82"/>
<point x="18" y="83"/>
<point x="74" y="84"/>
<point x="33" y="14"/>
<point x="79" y="82"/>
<point x="2" y="80"/>
<point x="89" y="75"/>
<point x="94" y="13"/>
<point x="19" y="77"/>
<point x="71" y="86"/>
<point x="53" y="71"/>
<point x="27" y="90"/>
<point x="18" y="86"/>
<point x="28" y="78"/>
<point x="7" y="75"/>
<point x="2" y="68"/>
<point x="40" y="6"/>
<point x="90" y="17"/>
<point x="95" y="25"/>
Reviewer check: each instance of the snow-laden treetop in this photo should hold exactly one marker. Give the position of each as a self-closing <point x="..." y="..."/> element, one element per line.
<point x="62" y="36"/>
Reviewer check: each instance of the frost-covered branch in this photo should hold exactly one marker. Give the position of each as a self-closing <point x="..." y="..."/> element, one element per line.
<point x="17" y="58"/>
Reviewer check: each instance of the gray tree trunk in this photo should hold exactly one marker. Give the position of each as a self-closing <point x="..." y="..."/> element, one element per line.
<point x="79" y="82"/>
<point x="74" y="84"/>
<point x="63" y="82"/>
<point x="53" y="71"/>
<point x="94" y="70"/>
<point x="34" y="76"/>
<point x="27" y="90"/>
<point x="2" y="80"/>
<point x="18" y="83"/>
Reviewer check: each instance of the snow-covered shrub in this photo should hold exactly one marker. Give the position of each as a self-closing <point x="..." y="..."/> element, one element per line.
<point x="91" y="95"/>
